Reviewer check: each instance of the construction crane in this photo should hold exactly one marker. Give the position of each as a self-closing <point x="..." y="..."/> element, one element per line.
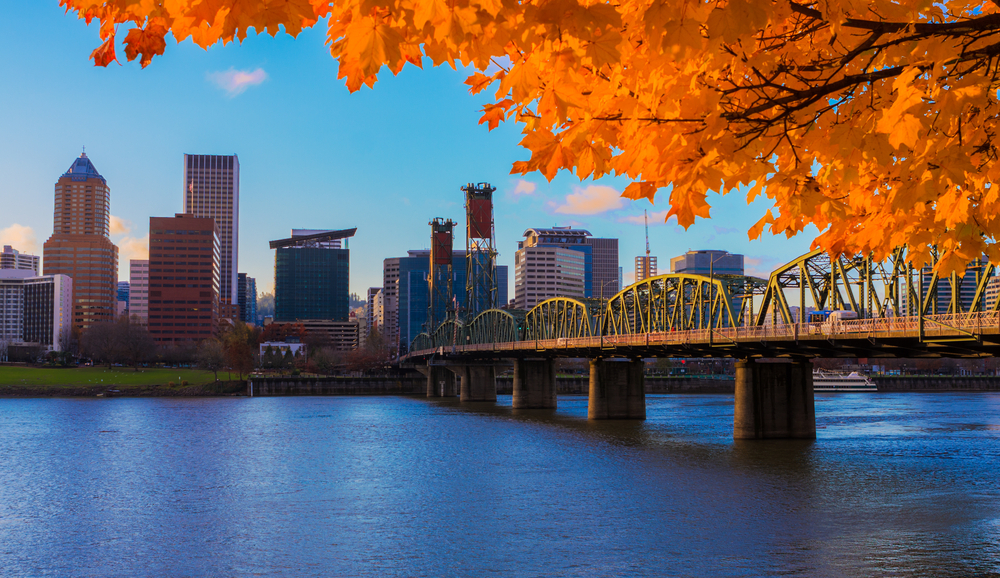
<point x="645" y="219"/>
<point x="645" y="267"/>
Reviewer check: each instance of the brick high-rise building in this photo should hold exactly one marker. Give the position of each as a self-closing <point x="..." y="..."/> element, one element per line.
<point x="212" y="189"/>
<point x="183" y="278"/>
<point x="80" y="247"/>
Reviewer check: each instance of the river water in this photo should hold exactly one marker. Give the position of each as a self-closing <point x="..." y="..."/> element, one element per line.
<point x="895" y="485"/>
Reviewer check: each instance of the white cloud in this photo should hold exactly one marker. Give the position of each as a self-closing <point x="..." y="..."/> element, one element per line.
<point x="657" y="218"/>
<point x="524" y="187"/>
<point x="131" y="248"/>
<point x="120" y="226"/>
<point x="761" y="266"/>
<point x="234" y="82"/>
<point x="591" y="201"/>
<point x="20" y="237"/>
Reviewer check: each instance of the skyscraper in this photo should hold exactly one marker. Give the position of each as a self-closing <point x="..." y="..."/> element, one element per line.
<point x="138" y="297"/>
<point x="707" y="262"/>
<point x="122" y="298"/>
<point x="212" y="189"/>
<point x="80" y="247"/>
<point x="372" y="322"/>
<point x="556" y="262"/>
<point x="312" y="276"/>
<point x="183" y="278"/>
<point x="605" y="279"/>
<point x="401" y="307"/>
<point x="247" y="291"/>
<point x="645" y="267"/>
<point x="544" y="272"/>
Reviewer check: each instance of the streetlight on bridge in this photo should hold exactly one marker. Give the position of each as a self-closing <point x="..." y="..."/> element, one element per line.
<point x="604" y="309"/>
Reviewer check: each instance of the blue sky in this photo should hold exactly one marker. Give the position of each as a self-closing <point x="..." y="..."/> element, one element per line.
<point x="312" y="155"/>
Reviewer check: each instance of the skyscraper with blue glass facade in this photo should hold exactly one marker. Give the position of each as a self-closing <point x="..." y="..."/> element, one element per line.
<point x="246" y="292"/>
<point x="407" y="295"/>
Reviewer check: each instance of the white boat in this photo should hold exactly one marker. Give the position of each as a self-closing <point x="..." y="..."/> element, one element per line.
<point x="827" y="381"/>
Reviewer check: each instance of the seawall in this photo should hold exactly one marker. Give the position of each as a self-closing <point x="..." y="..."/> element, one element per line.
<point x="337" y="385"/>
<point x="937" y="382"/>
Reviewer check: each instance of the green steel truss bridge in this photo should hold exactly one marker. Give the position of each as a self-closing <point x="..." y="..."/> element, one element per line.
<point x="901" y="312"/>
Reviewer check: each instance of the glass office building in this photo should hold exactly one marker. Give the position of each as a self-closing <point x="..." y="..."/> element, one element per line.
<point x="311" y="283"/>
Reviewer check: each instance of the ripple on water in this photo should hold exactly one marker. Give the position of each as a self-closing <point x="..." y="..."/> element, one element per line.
<point x="896" y="485"/>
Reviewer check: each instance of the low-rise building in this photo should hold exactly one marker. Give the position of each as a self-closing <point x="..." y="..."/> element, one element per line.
<point x="282" y="347"/>
<point x="11" y="258"/>
<point x="337" y="335"/>
<point x="35" y="309"/>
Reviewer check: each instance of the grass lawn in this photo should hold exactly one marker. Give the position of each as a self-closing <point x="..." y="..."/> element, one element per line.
<point x="118" y="376"/>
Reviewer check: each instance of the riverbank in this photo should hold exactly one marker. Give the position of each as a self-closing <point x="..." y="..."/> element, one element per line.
<point x="26" y="381"/>
<point x="220" y="388"/>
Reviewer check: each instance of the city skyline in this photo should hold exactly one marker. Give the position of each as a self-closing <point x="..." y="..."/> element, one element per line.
<point x="307" y="148"/>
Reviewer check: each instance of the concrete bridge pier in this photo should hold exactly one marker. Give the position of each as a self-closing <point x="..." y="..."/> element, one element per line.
<point x="440" y="380"/>
<point x="476" y="382"/>
<point x="534" y="384"/>
<point x="617" y="389"/>
<point x="774" y="401"/>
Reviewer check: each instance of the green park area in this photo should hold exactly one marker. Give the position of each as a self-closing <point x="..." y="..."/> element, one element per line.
<point x="48" y="381"/>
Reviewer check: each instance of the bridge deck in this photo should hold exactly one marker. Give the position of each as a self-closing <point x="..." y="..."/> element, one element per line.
<point x="959" y="335"/>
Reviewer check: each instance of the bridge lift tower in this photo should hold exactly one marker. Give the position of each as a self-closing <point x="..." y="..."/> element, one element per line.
<point x="440" y="298"/>
<point x="480" y="250"/>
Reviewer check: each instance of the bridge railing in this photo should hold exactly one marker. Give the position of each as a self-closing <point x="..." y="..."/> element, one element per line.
<point x="944" y="325"/>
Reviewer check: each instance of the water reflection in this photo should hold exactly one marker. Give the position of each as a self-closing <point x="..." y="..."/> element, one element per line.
<point x="896" y="484"/>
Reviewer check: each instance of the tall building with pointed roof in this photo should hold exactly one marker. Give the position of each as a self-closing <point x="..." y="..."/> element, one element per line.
<point x="80" y="246"/>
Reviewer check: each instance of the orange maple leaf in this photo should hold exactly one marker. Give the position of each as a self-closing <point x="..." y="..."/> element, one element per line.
<point x="104" y="54"/>
<point x="640" y="190"/>
<point x="493" y="114"/>
<point x="147" y="41"/>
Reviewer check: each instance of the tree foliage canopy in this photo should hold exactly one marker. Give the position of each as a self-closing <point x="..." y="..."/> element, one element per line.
<point x="871" y="119"/>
